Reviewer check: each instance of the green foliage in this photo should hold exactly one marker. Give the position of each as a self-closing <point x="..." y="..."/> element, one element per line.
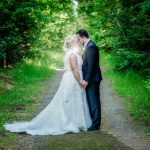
<point x="124" y="59"/>
<point x="148" y="84"/>
<point x="15" y="23"/>
<point x="31" y="41"/>
<point x="131" y="86"/>
<point x="134" y="37"/>
<point x="21" y="24"/>
<point x="28" y="79"/>
<point x="122" y="27"/>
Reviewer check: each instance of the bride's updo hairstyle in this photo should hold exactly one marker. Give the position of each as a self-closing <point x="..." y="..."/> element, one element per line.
<point x="68" y="42"/>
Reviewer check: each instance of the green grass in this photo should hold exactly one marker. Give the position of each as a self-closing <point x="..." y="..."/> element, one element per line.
<point x="28" y="78"/>
<point x="131" y="86"/>
<point x="21" y="99"/>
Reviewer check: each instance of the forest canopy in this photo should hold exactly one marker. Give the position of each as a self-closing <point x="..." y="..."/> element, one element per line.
<point x="22" y="23"/>
<point x="121" y="27"/>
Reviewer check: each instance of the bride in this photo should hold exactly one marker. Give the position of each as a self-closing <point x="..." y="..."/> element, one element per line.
<point x="68" y="111"/>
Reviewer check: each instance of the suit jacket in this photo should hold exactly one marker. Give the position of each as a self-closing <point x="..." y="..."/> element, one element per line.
<point x="90" y="68"/>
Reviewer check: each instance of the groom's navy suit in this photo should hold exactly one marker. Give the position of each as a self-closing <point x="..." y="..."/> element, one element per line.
<point x="92" y="74"/>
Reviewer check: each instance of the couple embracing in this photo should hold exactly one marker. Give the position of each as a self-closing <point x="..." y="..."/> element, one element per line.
<point x="76" y="105"/>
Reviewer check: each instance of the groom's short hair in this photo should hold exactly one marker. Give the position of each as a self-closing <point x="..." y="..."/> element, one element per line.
<point x="82" y="33"/>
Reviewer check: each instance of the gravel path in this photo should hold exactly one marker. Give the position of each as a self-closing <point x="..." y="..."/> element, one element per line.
<point x="115" y="122"/>
<point x="29" y="142"/>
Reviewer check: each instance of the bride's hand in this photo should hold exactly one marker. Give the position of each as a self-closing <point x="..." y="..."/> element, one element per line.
<point x="81" y="84"/>
<point x="84" y="84"/>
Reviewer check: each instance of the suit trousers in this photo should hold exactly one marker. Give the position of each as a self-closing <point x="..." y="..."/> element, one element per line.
<point x="93" y="99"/>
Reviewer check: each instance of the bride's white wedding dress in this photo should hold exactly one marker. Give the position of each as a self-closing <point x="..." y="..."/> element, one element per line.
<point x="67" y="112"/>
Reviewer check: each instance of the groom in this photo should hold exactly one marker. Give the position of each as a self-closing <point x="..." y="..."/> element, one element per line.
<point x="91" y="77"/>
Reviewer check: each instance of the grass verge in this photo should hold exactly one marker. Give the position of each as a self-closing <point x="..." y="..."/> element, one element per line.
<point x="28" y="80"/>
<point x="21" y="97"/>
<point x="131" y="86"/>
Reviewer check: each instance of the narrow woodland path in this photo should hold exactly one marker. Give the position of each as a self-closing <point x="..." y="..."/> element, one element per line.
<point x="118" y="131"/>
<point x="117" y="122"/>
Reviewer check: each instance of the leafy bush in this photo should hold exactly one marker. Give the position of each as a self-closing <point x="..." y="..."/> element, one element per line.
<point x="121" y="27"/>
<point x="125" y="59"/>
<point x="21" y="24"/>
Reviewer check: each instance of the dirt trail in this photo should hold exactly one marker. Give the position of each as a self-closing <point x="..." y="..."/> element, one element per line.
<point x="117" y="122"/>
<point x="118" y="131"/>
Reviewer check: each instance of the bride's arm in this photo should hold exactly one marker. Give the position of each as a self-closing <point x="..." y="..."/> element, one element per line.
<point x="74" y="66"/>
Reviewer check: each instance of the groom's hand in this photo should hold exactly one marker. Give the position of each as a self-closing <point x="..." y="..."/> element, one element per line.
<point x="84" y="84"/>
<point x="80" y="83"/>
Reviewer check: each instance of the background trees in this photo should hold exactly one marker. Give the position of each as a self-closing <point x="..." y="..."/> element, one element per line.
<point x="121" y="27"/>
<point x="34" y="30"/>
<point x="21" y="25"/>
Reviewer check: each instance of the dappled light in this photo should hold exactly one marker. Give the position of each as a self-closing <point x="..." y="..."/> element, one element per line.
<point x="32" y="35"/>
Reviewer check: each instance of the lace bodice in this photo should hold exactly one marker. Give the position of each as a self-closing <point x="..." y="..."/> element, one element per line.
<point x="67" y="63"/>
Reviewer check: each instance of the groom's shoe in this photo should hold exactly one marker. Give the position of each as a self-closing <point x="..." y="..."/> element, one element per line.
<point x="98" y="128"/>
<point x="93" y="128"/>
